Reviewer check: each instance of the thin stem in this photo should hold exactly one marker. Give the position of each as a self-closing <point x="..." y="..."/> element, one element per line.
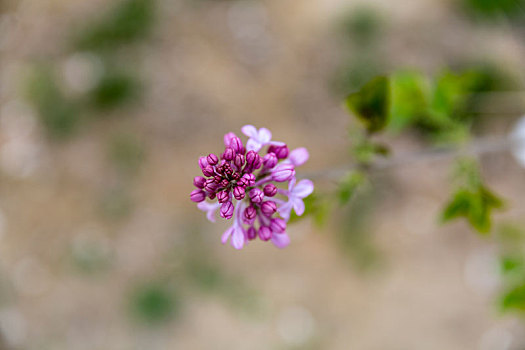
<point x="478" y="147"/>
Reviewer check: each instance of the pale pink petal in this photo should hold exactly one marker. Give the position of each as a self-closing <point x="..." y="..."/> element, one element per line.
<point x="299" y="156"/>
<point x="264" y="135"/>
<point x="298" y="206"/>
<point x="280" y="240"/>
<point x="250" y="131"/>
<point x="276" y="143"/>
<point x="303" y="188"/>
<point x="238" y="238"/>
<point x="285" y="210"/>
<point x="291" y="184"/>
<point x="253" y="145"/>
<point x="209" y="208"/>
<point x="227" y="234"/>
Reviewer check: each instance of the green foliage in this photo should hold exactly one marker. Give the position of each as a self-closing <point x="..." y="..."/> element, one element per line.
<point x="371" y="104"/>
<point x="130" y="21"/>
<point x="154" y="303"/>
<point x="473" y="201"/>
<point x="349" y="185"/>
<point x="59" y="115"/>
<point x="495" y="9"/>
<point x="363" y="25"/>
<point x="514" y="298"/>
<point x="410" y="99"/>
<point x="114" y="90"/>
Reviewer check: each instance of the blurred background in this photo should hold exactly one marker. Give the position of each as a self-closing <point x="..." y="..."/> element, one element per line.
<point x="106" y="105"/>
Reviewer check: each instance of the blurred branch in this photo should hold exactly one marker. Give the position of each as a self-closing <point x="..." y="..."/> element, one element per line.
<point x="476" y="148"/>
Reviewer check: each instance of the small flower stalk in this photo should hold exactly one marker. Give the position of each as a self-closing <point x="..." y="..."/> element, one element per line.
<point x="242" y="184"/>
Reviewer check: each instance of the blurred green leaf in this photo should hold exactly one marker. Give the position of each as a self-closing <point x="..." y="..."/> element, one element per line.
<point x="410" y="99"/>
<point x="128" y="22"/>
<point x="348" y="186"/>
<point x="494" y="9"/>
<point x="59" y="116"/>
<point x="371" y="104"/>
<point x="114" y="90"/>
<point x="154" y="303"/>
<point x="514" y="298"/>
<point x="362" y="25"/>
<point x="474" y="205"/>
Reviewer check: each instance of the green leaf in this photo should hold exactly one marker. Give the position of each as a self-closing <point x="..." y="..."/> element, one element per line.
<point x="514" y="299"/>
<point x="349" y="185"/>
<point x="458" y="206"/>
<point x="371" y="104"/>
<point x="409" y="102"/>
<point x="129" y="21"/>
<point x="475" y="205"/>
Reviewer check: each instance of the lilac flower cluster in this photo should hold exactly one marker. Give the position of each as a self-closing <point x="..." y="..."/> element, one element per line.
<point x="242" y="186"/>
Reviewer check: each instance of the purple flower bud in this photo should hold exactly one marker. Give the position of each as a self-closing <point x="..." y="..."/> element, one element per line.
<point x="239" y="192"/>
<point x="268" y="208"/>
<point x="211" y="195"/>
<point x="217" y="179"/>
<point x="256" y="195"/>
<point x="197" y="195"/>
<point x="283" y="172"/>
<point x="208" y="170"/>
<point x="252" y="158"/>
<point x="203" y="162"/>
<point x="228" y="137"/>
<point x="222" y="196"/>
<point x="210" y="185"/>
<point x="225" y="183"/>
<point x="278" y="225"/>
<point x="280" y="151"/>
<point x="228" y="154"/>
<point x="270" y="160"/>
<point x="270" y="190"/>
<point x="239" y="161"/>
<point x="212" y="159"/>
<point x="265" y="233"/>
<point x="226" y="210"/>
<point x="199" y="181"/>
<point x="251" y="233"/>
<point x="236" y="144"/>
<point x="250" y="213"/>
<point x="248" y="179"/>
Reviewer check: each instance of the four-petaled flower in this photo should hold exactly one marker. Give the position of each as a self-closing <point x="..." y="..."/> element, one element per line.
<point x="259" y="138"/>
<point x="296" y="192"/>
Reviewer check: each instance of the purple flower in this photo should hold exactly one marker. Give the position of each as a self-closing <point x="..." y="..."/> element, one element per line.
<point x="298" y="156"/>
<point x="265" y="233"/>
<point x="256" y="195"/>
<point x="278" y="225"/>
<point x="197" y="195"/>
<point x="270" y="160"/>
<point x="248" y="179"/>
<point x="268" y="208"/>
<point x="241" y="192"/>
<point x="296" y="193"/>
<point x="270" y="190"/>
<point x="199" y="181"/>
<point x="283" y="172"/>
<point x="281" y="152"/>
<point x="227" y="210"/>
<point x="222" y="196"/>
<point x="258" y="138"/>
